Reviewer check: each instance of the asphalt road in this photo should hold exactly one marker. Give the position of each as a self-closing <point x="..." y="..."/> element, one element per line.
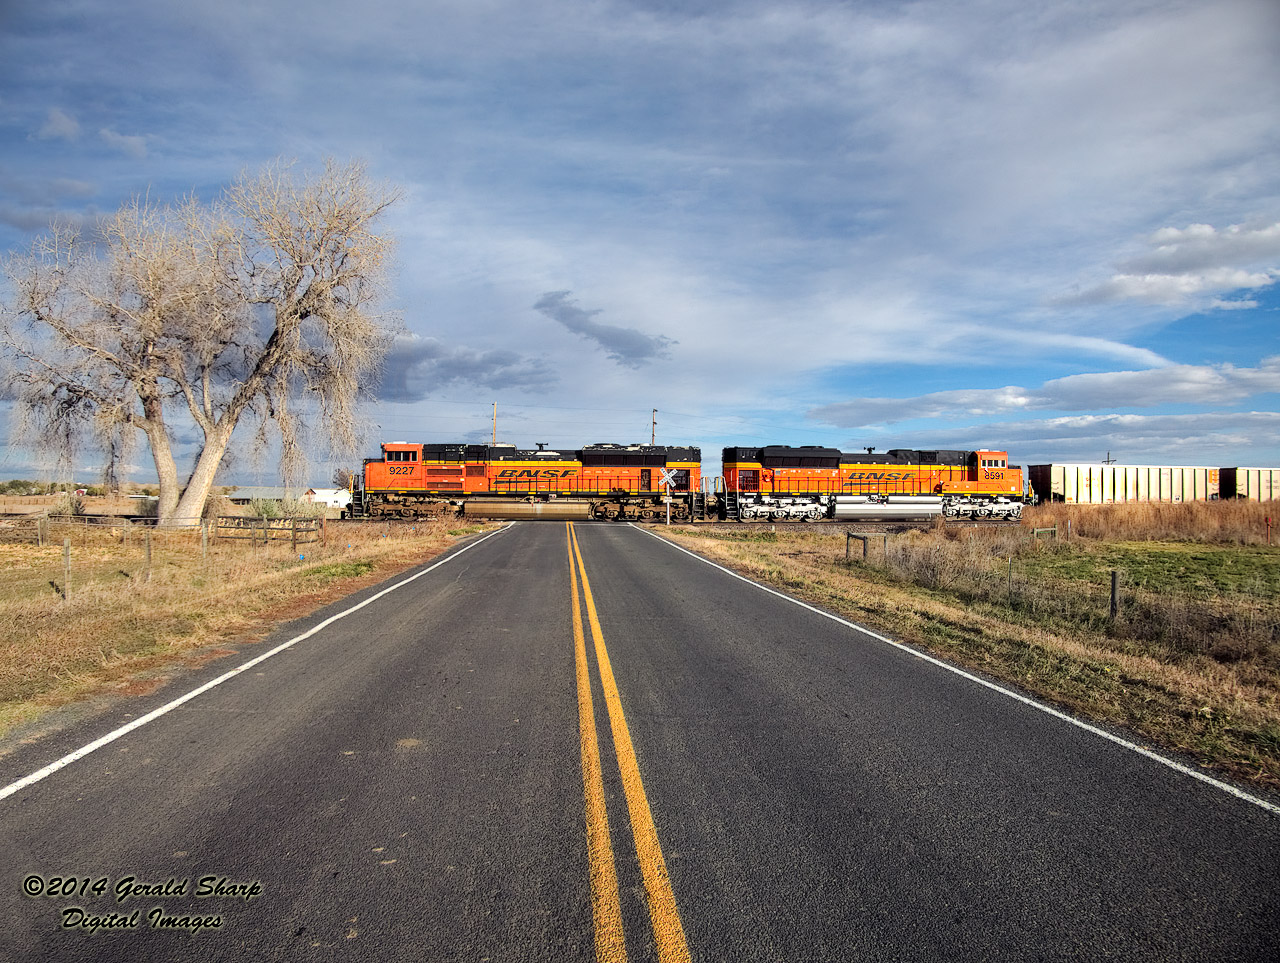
<point x="413" y="782"/>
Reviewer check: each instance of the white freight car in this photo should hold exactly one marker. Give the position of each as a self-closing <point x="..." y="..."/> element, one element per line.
<point x="1093" y="484"/>
<point x="1255" y="484"/>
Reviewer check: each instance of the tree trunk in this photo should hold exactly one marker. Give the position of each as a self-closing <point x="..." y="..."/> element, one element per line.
<point x="167" y="473"/>
<point x="166" y="469"/>
<point x="191" y="505"/>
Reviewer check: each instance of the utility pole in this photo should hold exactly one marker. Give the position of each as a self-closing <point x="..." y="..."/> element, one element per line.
<point x="653" y="428"/>
<point x="495" y="422"/>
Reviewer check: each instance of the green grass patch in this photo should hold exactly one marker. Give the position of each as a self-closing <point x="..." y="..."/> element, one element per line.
<point x="337" y="570"/>
<point x="738" y="535"/>
<point x="1249" y="571"/>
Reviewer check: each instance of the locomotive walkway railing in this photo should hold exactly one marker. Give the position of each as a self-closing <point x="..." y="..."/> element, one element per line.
<point x="835" y="487"/>
<point x="567" y="486"/>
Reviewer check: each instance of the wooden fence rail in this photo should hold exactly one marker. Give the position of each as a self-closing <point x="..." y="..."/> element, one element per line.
<point x="36" y="528"/>
<point x="298" y="531"/>
<point x="25" y="530"/>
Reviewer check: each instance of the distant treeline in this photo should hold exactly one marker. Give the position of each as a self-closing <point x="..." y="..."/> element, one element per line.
<point x="19" y="486"/>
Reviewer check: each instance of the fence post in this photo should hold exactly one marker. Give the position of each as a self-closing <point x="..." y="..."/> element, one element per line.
<point x="1115" y="594"/>
<point x="293" y="534"/>
<point x="66" y="569"/>
<point x="866" y="543"/>
<point x="148" y="575"/>
<point x="204" y="538"/>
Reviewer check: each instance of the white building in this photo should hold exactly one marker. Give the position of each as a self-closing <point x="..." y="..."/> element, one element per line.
<point x="329" y="497"/>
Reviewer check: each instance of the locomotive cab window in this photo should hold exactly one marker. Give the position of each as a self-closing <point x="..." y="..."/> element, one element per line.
<point x="402" y="456"/>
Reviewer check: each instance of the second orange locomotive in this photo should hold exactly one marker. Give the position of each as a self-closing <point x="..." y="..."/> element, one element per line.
<point x="781" y="481"/>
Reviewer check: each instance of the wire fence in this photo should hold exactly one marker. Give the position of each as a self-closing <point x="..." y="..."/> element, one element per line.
<point x="38" y="529"/>
<point x="67" y="556"/>
<point x="1006" y="570"/>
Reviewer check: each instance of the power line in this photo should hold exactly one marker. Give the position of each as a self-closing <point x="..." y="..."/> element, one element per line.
<point x="705" y="421"/>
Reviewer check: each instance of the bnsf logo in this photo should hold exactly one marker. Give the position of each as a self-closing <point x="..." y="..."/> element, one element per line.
<point x="537" y="473"/>
<point x="880" y="475"/>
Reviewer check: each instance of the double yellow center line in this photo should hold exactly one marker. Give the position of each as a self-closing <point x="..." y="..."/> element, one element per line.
<point x="606" y="909"/>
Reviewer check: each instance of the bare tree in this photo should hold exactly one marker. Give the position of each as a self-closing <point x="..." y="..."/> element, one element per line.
<point x="259" y="308"/>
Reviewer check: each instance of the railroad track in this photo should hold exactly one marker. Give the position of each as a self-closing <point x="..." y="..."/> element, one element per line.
<point x="888" y="526"/>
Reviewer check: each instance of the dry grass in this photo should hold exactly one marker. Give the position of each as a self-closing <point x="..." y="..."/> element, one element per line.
<point x="118" y="619"/>
<point x="1192" y="663"/>
<point x="1237" y="521"/>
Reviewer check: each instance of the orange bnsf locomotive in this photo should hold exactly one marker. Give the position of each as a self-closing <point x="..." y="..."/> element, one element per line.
<point x="600" y="481"/>
<point x="782" y="482"/>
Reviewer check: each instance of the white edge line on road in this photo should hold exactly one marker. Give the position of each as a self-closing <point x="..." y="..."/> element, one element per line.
<point x="154" y="714"/>
<point x="1048" y="710"/>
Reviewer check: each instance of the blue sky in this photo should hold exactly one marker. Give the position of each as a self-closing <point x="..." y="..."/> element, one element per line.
<point x="1047" y="228"/>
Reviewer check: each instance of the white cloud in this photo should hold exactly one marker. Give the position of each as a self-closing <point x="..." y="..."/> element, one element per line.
<point x="1171" y="385"/>
<point x="59" y="125"/>
<point x="1201" y="248"/>
<point x="1175" y="289"/>
<point x="134" y="146"/>
<point x="1184" y="263"/>
<point x="1042" y="343"/>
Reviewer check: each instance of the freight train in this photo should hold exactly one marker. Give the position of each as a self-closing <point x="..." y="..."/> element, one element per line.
<point x="622" y="482"/>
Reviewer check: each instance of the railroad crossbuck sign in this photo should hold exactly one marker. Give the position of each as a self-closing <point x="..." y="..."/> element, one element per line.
<point x="668" y="478"/>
